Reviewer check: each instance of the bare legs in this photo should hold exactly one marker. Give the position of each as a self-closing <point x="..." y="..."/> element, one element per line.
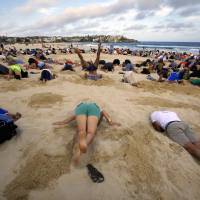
<point x="81" y="125"/>
<point x="86" y="131"/>
<point x="83" y="62"/>
<point x="96" y="63"/>
<point x="86" y="64"/>
<point x="193" y="149"/>
<point x="91" y="128"/>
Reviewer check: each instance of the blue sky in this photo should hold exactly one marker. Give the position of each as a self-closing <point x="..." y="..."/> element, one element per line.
<point x="146" y="20"/>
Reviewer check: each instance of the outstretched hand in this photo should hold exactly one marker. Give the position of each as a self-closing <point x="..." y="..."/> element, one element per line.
<point x="57" y="123"/>
<point x="115" y="124"/>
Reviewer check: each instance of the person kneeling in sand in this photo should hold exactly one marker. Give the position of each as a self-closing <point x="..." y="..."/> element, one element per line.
<point x="176" y="130"/>
<point x="47" y="75"/>
<point x="88" y="116"/>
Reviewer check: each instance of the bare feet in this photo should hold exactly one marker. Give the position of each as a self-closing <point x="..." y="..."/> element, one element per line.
<point x="77" y="157"/>
<point x="82" y="142"/>
<point x="76" y="50"/>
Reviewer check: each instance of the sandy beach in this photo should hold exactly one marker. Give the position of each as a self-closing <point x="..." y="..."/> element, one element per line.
<point x="136" y="161"/>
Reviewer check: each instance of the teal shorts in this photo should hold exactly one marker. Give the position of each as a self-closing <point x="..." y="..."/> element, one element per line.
<point x="88" y="109"/>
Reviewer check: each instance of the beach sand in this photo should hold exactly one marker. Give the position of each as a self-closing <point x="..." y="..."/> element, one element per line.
<point x="136" y="161"/>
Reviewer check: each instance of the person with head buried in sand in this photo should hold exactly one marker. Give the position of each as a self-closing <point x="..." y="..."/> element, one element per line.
<point x="177" y="130"/>
<point x="86" y="64"/>
<point x="92" y="74"/>
<point x="88" y="116"/>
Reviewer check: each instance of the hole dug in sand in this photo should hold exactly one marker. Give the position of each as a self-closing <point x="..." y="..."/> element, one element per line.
<point x="105" y="81"/>
<point x="44" y="100"/>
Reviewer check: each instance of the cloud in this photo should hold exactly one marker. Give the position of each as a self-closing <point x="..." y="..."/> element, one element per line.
<point x="189" y="11"/>
<point x="71" y="15"/>
<point x="136" y="27"/>
<point x="34" y="5"/>
<point x="174" y="27"/>
<point x="183" y="3"/>
<point x="104" y="16"/>
<point x="144" y="14"/>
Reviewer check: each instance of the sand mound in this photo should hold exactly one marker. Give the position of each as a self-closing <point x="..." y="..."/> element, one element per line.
<point x="38" y="172"/>
<point x="43" y="167"/>
<point x="44" y="100"/>
<point x="17" y="85"/>
<point x="140" y="155"/>
<point x="78" y="79"/>
<point x="164" y="103"/>
<point x="157" y="87"/>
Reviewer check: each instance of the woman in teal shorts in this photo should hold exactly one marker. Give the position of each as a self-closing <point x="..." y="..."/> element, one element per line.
<point x="88" y="116"/>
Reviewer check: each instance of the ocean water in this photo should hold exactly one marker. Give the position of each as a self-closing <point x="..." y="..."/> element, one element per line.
<point x="193" y="47"/>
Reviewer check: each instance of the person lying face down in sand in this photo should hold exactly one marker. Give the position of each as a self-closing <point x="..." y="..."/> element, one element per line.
<point x="86" y="64"/>
<point x="88" y="116"/>
<point x="176" y="130"/>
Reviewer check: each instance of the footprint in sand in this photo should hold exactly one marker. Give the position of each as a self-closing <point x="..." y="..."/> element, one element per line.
<point x="44" y="100"/>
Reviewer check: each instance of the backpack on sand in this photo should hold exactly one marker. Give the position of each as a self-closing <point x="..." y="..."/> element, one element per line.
<point x="7" y="128"/>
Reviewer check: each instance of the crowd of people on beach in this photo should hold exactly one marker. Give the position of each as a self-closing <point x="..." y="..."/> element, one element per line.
<point x="170" y="66"/>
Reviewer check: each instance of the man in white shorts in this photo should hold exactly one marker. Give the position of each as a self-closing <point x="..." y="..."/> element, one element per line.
<point x="177" y="130"/>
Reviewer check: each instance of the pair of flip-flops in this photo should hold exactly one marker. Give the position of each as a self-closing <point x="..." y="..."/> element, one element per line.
<point x="94" y="174"/>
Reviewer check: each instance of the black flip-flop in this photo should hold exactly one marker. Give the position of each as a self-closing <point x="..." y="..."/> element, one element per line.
<point x="94" y="174"/>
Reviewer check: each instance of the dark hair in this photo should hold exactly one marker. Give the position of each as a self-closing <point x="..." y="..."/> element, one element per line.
<point x="127" y="62"/>
<point x="102" y="62"/>
<point x="31" y="61"/>
<point x="116" y="62"/>
<point x="91" y="68"/>
<point x="17" y="77"/>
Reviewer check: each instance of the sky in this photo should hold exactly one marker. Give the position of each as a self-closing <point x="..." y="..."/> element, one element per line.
<point x="144" y="20"/>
